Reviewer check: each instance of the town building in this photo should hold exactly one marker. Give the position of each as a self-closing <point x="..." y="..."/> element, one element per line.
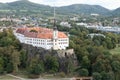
<point x="65" y="24"/>
<point x="43" y="37"/>
<point x="95" y="34"/>
<point x="94" y="14"/>
<point x="81" y="24"/>
<point x="74" y="19"/>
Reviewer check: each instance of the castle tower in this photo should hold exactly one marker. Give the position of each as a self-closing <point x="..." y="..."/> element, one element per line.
<point x="55" y="35"/>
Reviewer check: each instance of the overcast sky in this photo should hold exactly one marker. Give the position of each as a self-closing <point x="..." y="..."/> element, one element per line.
<point x="110" y="4"/>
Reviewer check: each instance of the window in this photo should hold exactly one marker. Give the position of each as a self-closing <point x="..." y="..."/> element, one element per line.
<point x="55" y="40"/>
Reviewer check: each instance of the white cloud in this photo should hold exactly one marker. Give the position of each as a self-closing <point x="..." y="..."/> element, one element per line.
<point x="111" y="4"/>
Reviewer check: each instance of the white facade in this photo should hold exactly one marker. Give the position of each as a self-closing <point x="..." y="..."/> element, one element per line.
<point x="81" y="24"/>
<point x="94" y="14"/>
<point x="74" y="19"/>
<point x="55" y="43"/>
<point x="66" y="24"/>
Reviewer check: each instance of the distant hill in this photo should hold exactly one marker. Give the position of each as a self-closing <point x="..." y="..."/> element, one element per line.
<point x="84" y="8"/>
<point x="4" y="6"/>
<point x="30" y="7"/>
<point x="116" y="12"/>
<point x="27" y="5"/>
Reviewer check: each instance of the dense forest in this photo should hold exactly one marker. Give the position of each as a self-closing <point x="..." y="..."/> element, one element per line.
<point x="93" y="56"/>
<point x="93" y="53"/>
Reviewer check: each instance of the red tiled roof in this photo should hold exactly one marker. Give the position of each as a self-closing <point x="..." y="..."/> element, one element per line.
<point x="43" y="33"/>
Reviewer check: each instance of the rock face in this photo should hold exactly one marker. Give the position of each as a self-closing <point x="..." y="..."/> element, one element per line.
<point x="65" y="53"/>
<point x="64" y="57"/>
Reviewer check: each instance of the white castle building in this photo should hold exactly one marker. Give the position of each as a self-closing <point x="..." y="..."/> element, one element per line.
<point x="43" y="37"/>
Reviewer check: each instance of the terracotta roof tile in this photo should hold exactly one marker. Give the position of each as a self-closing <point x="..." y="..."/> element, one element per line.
<point x="43" y="33"/>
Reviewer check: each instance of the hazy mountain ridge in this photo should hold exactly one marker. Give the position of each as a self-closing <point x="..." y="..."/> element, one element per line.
<point x="84" y="8"/>
<point x="116" y="12"/>
<point x="27" y="5"/>
<point x="71" y="9"/>
<point x="4" y="6"/>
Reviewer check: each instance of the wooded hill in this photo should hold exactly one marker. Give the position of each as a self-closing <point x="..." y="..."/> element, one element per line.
<point x="25" y="6"/>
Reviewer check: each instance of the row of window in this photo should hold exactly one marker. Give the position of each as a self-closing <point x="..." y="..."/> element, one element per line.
<point x="49" y="43"/>
<point x="63" y="39"/>
<point x="35" y="43"/>
<point x="63" y="43"/>
<point x="56" y="44"/>
<point x="45" y="40"/>
<point x="35" y="40"/>
<point x="49" y="40"/>
<point x="29" y="42"/>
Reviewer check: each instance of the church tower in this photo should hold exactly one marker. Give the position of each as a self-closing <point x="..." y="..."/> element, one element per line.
<point x="55" y="35"/>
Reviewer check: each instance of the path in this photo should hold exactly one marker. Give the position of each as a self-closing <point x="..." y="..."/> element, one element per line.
<point x="20" y="78"/>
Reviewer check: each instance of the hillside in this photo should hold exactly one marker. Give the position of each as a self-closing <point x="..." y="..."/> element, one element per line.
<point x="25" y="6"/>
<point x="4" y="6"/>
<point x="73" y="9"/>
<point x="116" y="12"/>
<point x="84" y="8"/>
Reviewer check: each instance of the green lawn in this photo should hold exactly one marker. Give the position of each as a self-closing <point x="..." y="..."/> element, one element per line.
<point x="115" y="51"/>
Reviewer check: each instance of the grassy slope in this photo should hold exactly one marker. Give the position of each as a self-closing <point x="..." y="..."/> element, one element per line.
<point x="115" y="51"/>
<point x="6" y="77"/>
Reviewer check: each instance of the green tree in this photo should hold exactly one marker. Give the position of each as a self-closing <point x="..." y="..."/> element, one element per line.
<point x="23" y="59"/>
<point x="97" y="76"/>
<point x="83" y="72"/>
<point x="1" y="65"/>
<point x="36" y="67"/>
<point x="51" y="63"/>
<point x="85" y="63"/>
<point x="9" y="67"/>
<point x="69" y="66"/>
<point x="116" y="68"/>
<point x="107" y="75"/>
<point x="15" y="60"/>
<point x="109" y="43"/>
